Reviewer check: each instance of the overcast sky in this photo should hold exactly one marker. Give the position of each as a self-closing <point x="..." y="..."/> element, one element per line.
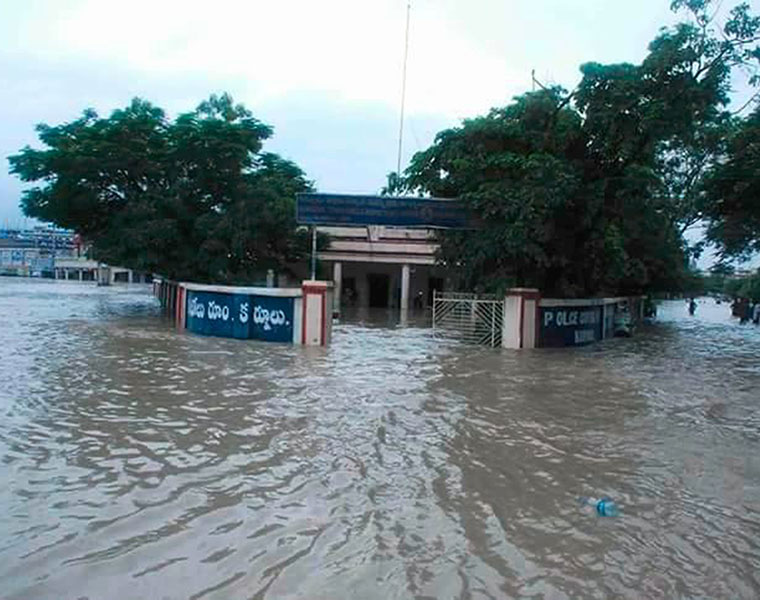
<point x="325" y="74"/>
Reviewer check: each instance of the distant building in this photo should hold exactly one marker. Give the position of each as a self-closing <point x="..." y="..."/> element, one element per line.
<point x="32" y="252"/>
<point x="55" y="254"/>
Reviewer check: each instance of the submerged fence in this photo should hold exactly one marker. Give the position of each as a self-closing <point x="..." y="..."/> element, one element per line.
<point x="471" y="318"/>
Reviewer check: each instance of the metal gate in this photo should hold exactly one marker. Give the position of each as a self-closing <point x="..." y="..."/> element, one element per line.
<point x="471" y="318"/>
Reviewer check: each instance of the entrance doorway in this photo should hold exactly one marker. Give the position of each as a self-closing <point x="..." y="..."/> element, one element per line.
<point x="379" y="284"/>
<point x="348" y="292"/>
<point x="434" y="284"/>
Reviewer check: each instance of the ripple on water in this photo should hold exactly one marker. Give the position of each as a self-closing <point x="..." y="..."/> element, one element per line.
<point x="140" y="462"/>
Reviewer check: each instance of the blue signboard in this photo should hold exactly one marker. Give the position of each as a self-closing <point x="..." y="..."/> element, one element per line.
<point x="342" y="209"/>
<point x="569" y="325"/>
<point x="272" y="318"/>
<point x="212" y="313"/>
<point x="240" y="316"/>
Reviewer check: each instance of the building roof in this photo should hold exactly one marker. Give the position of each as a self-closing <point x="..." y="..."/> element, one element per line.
<point x="373" y="244"/>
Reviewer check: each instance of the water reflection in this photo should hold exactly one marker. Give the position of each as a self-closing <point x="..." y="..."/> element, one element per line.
<point x="142" y="462"/>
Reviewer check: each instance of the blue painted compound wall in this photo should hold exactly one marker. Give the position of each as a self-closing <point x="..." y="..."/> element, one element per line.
<point x="241" y="316"/>
<point x="569" y="325"/>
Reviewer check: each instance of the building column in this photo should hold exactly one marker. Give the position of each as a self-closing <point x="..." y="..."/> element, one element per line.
<point x="405" y="272"/>
<point x="79" y="271"/>
<point x="337" y="287"/>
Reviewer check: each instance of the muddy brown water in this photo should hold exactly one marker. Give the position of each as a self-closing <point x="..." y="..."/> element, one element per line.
<point x="139" y="462"/>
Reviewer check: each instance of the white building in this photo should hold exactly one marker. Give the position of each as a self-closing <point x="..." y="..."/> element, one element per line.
<point x="382" y="267"/>
<point x="85" y="269"/>
<point x="32" y="252"/>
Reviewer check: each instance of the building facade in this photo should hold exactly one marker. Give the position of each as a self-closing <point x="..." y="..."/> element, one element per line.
<point x="382" y="267"/>
<point x="33" y="252"/>
<point x="55" y="254"/>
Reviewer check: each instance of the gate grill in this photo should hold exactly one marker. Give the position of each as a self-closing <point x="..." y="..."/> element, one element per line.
<point x="471" y="318"/>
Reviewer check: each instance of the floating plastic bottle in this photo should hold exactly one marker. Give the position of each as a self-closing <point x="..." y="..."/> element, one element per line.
<point x="604" y="507"/>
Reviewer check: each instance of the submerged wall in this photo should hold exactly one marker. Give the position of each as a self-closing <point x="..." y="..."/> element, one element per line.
<point x="269" y="314"/>
<point x="576" y="322"/>
<point x="291" y="315"/>
<point x="534" y="322"/>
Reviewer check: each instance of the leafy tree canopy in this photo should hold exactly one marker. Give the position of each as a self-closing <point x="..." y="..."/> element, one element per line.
<point x="743" y="287"/>
<point x="195" y="198"/>
<point x="732" y="189"/>
<point x="590" y="192"/>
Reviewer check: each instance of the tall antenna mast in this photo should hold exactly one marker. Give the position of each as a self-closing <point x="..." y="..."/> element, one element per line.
<point x="403" y="90"/>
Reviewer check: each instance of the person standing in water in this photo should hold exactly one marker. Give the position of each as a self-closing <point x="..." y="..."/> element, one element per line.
<point x="744" y="314"/>
<point x="692" y="307"/>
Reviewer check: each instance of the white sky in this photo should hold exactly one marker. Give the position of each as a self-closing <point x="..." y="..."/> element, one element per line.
<point x="325" y="74"/>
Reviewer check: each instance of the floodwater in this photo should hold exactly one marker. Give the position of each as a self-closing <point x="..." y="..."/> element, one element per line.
<point x="139" y="462"/>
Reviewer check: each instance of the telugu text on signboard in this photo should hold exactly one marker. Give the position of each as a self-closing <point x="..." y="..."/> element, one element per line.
<point x="241" y="316"/>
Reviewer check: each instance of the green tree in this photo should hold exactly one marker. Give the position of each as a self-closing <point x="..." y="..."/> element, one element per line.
<point x="732" y="286"/>
<point x="751" y="288"/>
<point x="520" y="169"/>
<point x="744" y="287"/>
<point x="589" y="192"/>
<point x="703" y="180"/>
<point x="715" y="280"/>
<point x="194" y="198"/>
<point x="733" y="193"/>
